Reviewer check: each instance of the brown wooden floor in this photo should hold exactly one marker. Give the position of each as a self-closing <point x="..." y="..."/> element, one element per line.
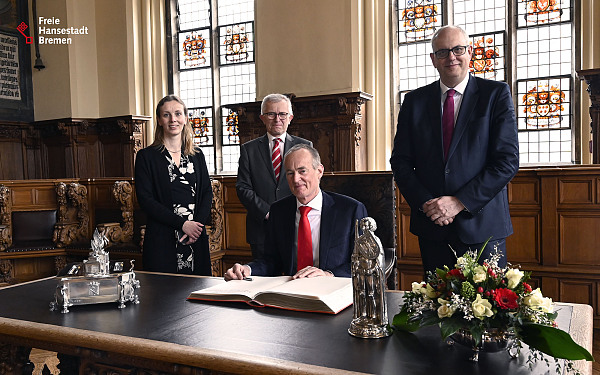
<point x="41" y="357"/>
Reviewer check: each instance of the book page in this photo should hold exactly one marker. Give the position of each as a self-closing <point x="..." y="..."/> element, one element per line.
<point x="311" y="287"/>
<point x="243" y="288"/>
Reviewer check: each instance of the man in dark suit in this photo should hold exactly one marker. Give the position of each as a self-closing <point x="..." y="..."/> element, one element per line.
<point x="453" y="169"/>
<point x="331" y="218"/>
<point x="257" y="183"/>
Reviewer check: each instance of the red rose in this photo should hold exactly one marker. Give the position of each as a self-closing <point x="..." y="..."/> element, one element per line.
<point x="506" y="299"/>
<point x="455" y="273"/>
<point x="527" y="287"/>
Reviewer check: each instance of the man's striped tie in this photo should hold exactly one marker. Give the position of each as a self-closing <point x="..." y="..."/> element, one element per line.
<point x="276" y="158"/>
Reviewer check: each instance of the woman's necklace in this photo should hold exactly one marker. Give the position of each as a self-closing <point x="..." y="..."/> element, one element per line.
<point x="173" y="151"/>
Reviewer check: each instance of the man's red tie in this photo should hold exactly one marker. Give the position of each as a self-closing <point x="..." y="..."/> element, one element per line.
<point x="305" y="253"/>
<point x="276" y="158"/>
<point x="448" y="121"/>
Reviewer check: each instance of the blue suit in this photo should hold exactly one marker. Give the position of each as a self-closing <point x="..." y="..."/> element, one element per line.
<point x="338" y="217"/>
<point x="483" y="158"/>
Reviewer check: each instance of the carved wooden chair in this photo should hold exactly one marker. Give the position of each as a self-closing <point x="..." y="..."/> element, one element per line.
<point x="120" y="232"/>
<point x="215" y="228"/>
<point x="72" y="222"/>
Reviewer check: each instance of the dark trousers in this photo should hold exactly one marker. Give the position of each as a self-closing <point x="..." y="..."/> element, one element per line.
<point x="258" y="250"/>
<point x="436" y="254"/>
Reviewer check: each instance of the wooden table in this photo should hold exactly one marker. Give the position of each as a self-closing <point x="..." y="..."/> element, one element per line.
<point x="166" y="333"/>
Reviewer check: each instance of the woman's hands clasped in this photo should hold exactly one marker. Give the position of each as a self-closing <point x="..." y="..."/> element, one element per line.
<point x="192" y="230"/>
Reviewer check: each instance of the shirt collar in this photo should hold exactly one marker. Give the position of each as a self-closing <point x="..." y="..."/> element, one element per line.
<point x="281" y="137"/>
<point x="460" y="88"/>
<point x="316" y="203"/>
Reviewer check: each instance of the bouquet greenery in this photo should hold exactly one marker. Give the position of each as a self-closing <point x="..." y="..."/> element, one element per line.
<point x="478" y="298"/>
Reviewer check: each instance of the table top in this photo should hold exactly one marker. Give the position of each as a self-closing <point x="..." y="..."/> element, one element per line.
<point x="235" y="337"/>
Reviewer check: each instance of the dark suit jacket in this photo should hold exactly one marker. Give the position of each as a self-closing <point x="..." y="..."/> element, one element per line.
<point x="256" y="185"/>
<point x="483" y="158"/>
<point x="338" y="217"/>
<point x="153" y="192"/>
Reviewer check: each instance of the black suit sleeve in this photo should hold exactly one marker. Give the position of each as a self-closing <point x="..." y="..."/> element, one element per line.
<point x="202" y="212"/>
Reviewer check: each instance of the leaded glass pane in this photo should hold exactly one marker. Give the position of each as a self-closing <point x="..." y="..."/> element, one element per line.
<point x="236" y="43"/>
<point x="542" y="12"/>
<point x="418" y="19"/>
<point x="235" y="11"/>
<point x="201" y="120"/>
<point x="488" y="56"/>
<point x="195" y="88"/>
<point x="544" y="51"/>
<point x="544" y="103"/>
<point x="194" y="49"/>
<point x="478" y="19"/>
<point x="193" y="14"/>
<point x="416" y="69"/>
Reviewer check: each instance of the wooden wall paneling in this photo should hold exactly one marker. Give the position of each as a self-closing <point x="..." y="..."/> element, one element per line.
<point x="576" y="190"/>
<point x="523" y="246"/>
<point x="579" y="239"/>
<point x="577" y="291"/>
<point x="550" y="227"/>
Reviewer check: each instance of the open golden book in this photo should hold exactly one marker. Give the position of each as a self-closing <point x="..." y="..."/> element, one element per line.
<point x="317" y="294"/>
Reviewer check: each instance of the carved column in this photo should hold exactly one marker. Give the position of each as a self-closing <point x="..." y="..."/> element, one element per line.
<point x="592" y="78"/>
<point x="5" y="218"/>
<point x="334" y="123"/>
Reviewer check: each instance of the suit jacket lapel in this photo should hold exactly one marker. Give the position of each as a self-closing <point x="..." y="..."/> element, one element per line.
<point x="265" y="153"/>
<point x="289" y="234"/>
<point x="328" y="216"/>
<point x="467" y="106"/>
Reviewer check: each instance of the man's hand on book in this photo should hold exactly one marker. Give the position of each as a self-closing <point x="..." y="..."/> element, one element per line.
<point x="311" y="271"/>
<point x="237" y="272"/>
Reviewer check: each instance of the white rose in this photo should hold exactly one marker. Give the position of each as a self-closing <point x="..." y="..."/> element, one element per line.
<point x="479" y="274"/>
<point x="514" y="275"/>
<point x="444" y="311"/>
<point x="460" y="262"/>
<point x="481" y="308"/>
<point x="416" y="287"/>
<point x="537" y="301"/>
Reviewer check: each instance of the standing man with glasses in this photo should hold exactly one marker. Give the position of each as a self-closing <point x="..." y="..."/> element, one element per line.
<point x="455" y="150"/>
<point x="260" y="179"/>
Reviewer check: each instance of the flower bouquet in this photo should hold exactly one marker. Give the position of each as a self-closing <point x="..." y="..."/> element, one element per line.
<point x="476" y="300"/>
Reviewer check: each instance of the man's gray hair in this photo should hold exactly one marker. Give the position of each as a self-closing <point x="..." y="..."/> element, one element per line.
<point x="316" y="158"/>
<point x="275" y="98"/>
<point x="438" y="31"/>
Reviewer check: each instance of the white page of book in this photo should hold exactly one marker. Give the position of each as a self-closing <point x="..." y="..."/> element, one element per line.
<point x="245" y="287"/>
<point x="312" y="287"/>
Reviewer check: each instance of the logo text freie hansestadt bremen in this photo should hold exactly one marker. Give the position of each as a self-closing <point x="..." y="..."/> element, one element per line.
<point x="49" y="28"/>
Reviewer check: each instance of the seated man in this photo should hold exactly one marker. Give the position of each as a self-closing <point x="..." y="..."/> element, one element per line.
<point x="311" y="232"/>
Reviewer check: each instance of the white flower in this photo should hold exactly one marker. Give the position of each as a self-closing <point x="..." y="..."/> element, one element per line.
<point x="537" y="301"/>
<point x="416" y="287"/>
<point x="479" y="274"/>
<point x="481" y="308"/>
<point x="445" y="310"/>
<point x="514" y="276"/>
<point x="461" y="262"/>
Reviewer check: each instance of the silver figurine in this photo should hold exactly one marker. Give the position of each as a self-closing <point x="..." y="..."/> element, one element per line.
<point x="368" y="281"/>
<point x="95" y="280"/>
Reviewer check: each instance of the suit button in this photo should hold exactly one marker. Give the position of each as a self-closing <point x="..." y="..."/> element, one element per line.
<point x="447" y="171"/>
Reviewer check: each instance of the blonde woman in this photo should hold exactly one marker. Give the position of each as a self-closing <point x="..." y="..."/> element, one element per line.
<point x="174" y="190"/>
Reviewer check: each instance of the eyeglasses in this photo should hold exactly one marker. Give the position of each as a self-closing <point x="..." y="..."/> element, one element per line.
<point x="457" y="51"/>
<point x="272" y="115"/>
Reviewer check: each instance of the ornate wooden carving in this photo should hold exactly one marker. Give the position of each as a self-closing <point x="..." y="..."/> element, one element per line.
<point x="334" y="123"/>
<point x="115" y="232"/>
<point x="215" y="230"/>
<point x="15" y="360"/>
<point x="5" y="218"/>
<point x="66" y="229"/>
<point x="592" y="78"/>
<point x="6" y="271"/>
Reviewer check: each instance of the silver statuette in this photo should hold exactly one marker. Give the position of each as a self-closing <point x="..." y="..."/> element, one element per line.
<point x="368" y="281"/>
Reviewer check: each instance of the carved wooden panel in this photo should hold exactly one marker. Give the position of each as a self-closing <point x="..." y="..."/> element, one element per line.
<point x="579" y="239"/>
<point x="524" y="191"/>
<point x="576" y="190"/>
<point x="523" y="245"/>
<point x="235" y="234"/>
<point x="577" y="291"/>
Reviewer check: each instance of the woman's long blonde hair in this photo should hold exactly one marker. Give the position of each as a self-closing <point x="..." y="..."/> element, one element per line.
<point x="187" y="144"/>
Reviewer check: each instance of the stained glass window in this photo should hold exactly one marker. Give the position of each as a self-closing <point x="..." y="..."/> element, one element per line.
<point x="230" y="63"/>
<point x="541" y="62"/>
